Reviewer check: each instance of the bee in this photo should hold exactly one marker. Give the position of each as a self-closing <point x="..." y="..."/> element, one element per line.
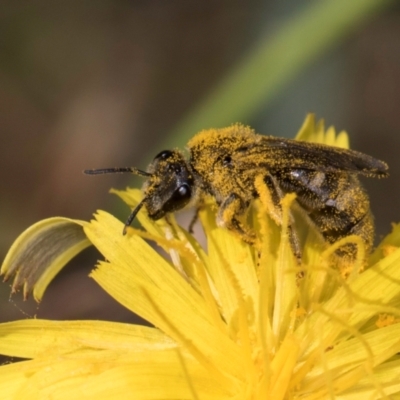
<point x="235" y="165"/>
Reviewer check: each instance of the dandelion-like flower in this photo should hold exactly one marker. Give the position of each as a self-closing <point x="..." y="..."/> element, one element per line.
<point x="234" y="321"/>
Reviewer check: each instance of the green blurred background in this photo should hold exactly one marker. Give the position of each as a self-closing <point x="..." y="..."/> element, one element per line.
<point x="88" y="84"/>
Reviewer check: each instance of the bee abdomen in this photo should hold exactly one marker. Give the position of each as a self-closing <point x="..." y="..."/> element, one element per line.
<point x="335" y="226"/>
<point x="349" y="214"/>
<point x="335" y="202"/>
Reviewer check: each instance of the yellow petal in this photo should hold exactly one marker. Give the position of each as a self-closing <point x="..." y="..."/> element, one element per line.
<point x="40" y="252"/>
<point x="384" y="382"/>
<point x="133" y="255"/>
<point x="11" y="381"/>
<point x="147" y="375"/>
<point x="177" y="318"/>
<point x="32" y="337"/>
<point x="374" y="291"/>
<point x="390" y="241"/>
<point x="315" y="133"/>
<point x="231" y="266"/>
<point x="148" y="285"/>
<point x="102" y="359"/>
<point x="354" y="358"/>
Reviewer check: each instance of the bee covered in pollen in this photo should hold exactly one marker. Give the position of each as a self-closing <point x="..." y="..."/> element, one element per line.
<point x="235" y="165"/>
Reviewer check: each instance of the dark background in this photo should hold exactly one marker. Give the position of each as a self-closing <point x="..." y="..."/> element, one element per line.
<point x="87" y="84"/>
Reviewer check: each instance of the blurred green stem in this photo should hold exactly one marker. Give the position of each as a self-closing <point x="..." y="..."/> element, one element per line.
<point x="273" y="63"/>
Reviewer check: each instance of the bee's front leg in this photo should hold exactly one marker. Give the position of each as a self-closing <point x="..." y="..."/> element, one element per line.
<point x="232" y="208"/>
<point x="195" y="217"/>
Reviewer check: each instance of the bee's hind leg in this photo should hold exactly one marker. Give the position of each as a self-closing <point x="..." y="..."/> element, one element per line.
<point x="229" y="211"/>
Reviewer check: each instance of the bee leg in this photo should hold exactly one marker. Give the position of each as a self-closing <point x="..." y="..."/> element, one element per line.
<point x="195" y="217"/>
<point x="271" y="196"/>
<point x="295" y="243"/>
<point x="232" y="207"/>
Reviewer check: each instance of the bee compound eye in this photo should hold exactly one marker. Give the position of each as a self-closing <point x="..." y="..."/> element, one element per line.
<point x="184" y="190"/>
<point x="163" y="155"/>
<point x="179" y="199"/>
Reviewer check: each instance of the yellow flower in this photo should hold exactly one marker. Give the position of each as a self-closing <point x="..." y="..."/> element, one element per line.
<point x="231" y="322"/>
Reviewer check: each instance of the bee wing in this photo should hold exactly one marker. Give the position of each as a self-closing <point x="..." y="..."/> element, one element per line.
<point x="276" y="154"/>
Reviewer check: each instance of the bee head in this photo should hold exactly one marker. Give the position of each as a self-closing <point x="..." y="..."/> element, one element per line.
<point x="170" y="185"/>
<point x="168" y="188"/>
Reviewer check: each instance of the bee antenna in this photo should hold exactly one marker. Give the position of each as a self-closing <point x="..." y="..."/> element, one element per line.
<point x="133" y="215"/>
<point x="119" y="170"/>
